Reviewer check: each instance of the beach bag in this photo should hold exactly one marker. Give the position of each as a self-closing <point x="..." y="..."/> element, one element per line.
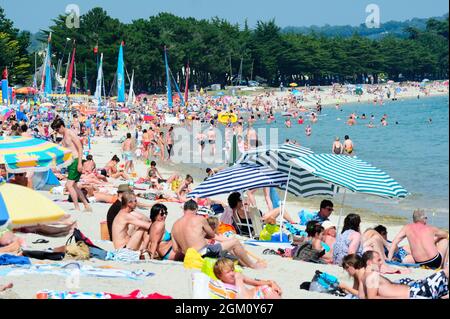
<point x="77" y="251"/>
<point x="305" y="252"/>
<point x="326" y="283"/>
<point x="94" y="251"/>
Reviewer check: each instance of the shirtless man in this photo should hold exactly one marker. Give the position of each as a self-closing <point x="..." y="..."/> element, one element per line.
<point x="201" y="140"/>
<point x="125" y="236"/>
<point x="375" y="286"/>
<point x="72" y="142"/>
<point x="428" y="244"/>
<point x="252" y="137"/>
<point x="193" y="231"/>
<point x="212" y="140"/>
<point x="127" y="148"/>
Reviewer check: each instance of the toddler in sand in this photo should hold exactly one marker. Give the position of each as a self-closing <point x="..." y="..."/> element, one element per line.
<point x="262" y="289"/>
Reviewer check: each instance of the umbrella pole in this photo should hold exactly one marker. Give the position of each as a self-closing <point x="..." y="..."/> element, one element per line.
<point x="340" y="212"/>
<point x="246" y="219"/>
<point x="283" y="205"/>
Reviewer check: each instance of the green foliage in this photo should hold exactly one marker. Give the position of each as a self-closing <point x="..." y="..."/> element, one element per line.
<point x="13" y="51"/>
<point x="214" y="49"/>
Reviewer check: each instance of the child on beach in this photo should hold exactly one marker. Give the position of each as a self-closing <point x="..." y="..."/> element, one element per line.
<point x="262" y="289"/>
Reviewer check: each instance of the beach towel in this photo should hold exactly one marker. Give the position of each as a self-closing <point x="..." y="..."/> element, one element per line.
<point x="7" y="259"/>
<point x="136" y="294"/>
<point x="396" y="263"/>
<point x="123" y="255"/>
<point x="68" y="269"/>
<point x="43" y="255"/>
<point x="326" y="283"/>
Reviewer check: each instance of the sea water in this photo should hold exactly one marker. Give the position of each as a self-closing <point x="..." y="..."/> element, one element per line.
<point x="413" y="152"/>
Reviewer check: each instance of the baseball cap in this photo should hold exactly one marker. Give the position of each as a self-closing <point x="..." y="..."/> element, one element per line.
<point x="327" y="224"/>
<point x="124" y="188"/>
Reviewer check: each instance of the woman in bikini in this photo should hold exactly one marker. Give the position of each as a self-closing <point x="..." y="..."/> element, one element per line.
<point x="160" y="240"/>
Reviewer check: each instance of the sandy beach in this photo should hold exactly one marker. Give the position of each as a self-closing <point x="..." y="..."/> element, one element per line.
<point x="170" y="278"/>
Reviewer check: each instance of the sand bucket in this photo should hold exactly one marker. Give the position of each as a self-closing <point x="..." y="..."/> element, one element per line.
<point x="104" y="234"/>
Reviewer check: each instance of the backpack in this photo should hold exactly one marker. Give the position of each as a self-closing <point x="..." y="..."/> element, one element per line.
<point x="326" y="283"/>
<point x="305" y="252"/>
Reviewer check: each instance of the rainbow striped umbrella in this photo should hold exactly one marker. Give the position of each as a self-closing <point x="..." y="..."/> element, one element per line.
<point x="23" y="206"/>
<point x="22" y="154"/>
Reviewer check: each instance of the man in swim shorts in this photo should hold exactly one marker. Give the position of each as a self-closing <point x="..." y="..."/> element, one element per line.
<point x="428" y="244"/>
<point x="72" y="142"/>
<point x="376" y="286"/>
<point x="193" y="231"/>
<point x="127" y="148"/>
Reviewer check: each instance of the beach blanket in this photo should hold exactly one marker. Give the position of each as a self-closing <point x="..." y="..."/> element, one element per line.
<point x="7" y="259"/>
<point x="123" y="255"/>
<point x="68" y="270"/>
<point x="136" y="294"/>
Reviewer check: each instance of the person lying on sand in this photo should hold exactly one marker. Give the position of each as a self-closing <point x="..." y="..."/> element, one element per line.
<point x="10" y="243"/>
<point x="262" y="289"/>
<point x="376" y="286"/>
<point x="6" y="287"/>
<point x="193" y="231"/>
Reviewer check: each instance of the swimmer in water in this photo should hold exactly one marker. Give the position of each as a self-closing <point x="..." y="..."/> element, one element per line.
<point x="308" y="130"/>
<point x="370" y="125"/>
<point x="287" y="123"/>
<point x="430" y="120"/>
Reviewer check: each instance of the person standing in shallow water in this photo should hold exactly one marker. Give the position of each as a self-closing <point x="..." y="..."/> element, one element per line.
<point x="337" y="147"/>
<point x="348" y="146"/>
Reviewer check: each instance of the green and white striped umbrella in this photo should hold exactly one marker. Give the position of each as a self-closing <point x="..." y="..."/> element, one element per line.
<point x="351" y="173"/>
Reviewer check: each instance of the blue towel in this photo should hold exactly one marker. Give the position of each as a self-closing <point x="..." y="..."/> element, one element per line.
<point x="7" y="259"/>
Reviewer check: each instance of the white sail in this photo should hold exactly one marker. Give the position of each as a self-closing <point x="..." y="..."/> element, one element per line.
<point x="98" y="87"/>
<point x="131" y="95"/>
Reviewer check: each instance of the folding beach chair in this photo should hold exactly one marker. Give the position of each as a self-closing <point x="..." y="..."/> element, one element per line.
<point x="252" y="224"/>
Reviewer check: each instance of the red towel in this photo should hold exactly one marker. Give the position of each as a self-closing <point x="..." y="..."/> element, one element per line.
<point x="136" y="294"/>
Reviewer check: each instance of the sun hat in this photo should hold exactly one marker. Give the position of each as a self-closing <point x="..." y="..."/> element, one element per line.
<point x="327" y="224"/>
<point x="124" y="188"/>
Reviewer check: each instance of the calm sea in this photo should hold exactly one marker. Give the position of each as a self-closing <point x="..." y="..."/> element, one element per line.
<point x="414" y="152"/>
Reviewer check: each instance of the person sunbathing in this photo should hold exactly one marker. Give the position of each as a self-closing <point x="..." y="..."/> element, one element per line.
<point x="429" y="245"/>
<point x="352" y="264"/>
<point x="372" y="240"/>
<point x="193" y="231"/>
<point x="111" y="170"/>
<point x="376" y="286"/>
<point x="60" y="228"/>
<point x="10" y="243"/>
<point x="6" y="287"/>
<point x="160" y="240"/>
<point x="262" y="289"/>
<point x="128" y="229"/>
<point x="184" y="188"/>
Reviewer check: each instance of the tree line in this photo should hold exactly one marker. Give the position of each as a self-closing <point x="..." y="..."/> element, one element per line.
<point x="214" y="49"/>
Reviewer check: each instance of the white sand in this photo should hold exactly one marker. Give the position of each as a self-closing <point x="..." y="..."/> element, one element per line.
<point x="170" y="277"/>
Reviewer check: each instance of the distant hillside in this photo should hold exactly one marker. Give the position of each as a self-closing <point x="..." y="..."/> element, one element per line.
<point x="36" y="42"/>
<point x="396" y="28"/>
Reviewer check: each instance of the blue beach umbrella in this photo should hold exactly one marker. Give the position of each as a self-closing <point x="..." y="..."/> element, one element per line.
<point x="21" y="154"/>
<point x="351" y="173"/>
<point x="238" y="178"/>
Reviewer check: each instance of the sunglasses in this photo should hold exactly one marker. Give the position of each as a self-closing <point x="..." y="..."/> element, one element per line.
<point x="163" y="214"/>
<point x="330" y="208"/>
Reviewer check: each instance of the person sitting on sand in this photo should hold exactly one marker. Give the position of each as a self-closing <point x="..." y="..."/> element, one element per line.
<point x="193" y="231"/>
<point x="329" y="238"/>
<point x="326" y="208"/>
<point x="376" y="286"/>
<point x="349" y="241"/>
<point x="428" y="244"/>
<point x="160" y="240"/>
<point x="262" y="289"/>
<point x="125" y="236"/>
<point x="184" y="188"/>
<point x="111" y="170"/>
<point x="402" y="254"/>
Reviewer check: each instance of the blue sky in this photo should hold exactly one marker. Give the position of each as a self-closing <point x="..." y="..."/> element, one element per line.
<point x="33" y="15"/>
